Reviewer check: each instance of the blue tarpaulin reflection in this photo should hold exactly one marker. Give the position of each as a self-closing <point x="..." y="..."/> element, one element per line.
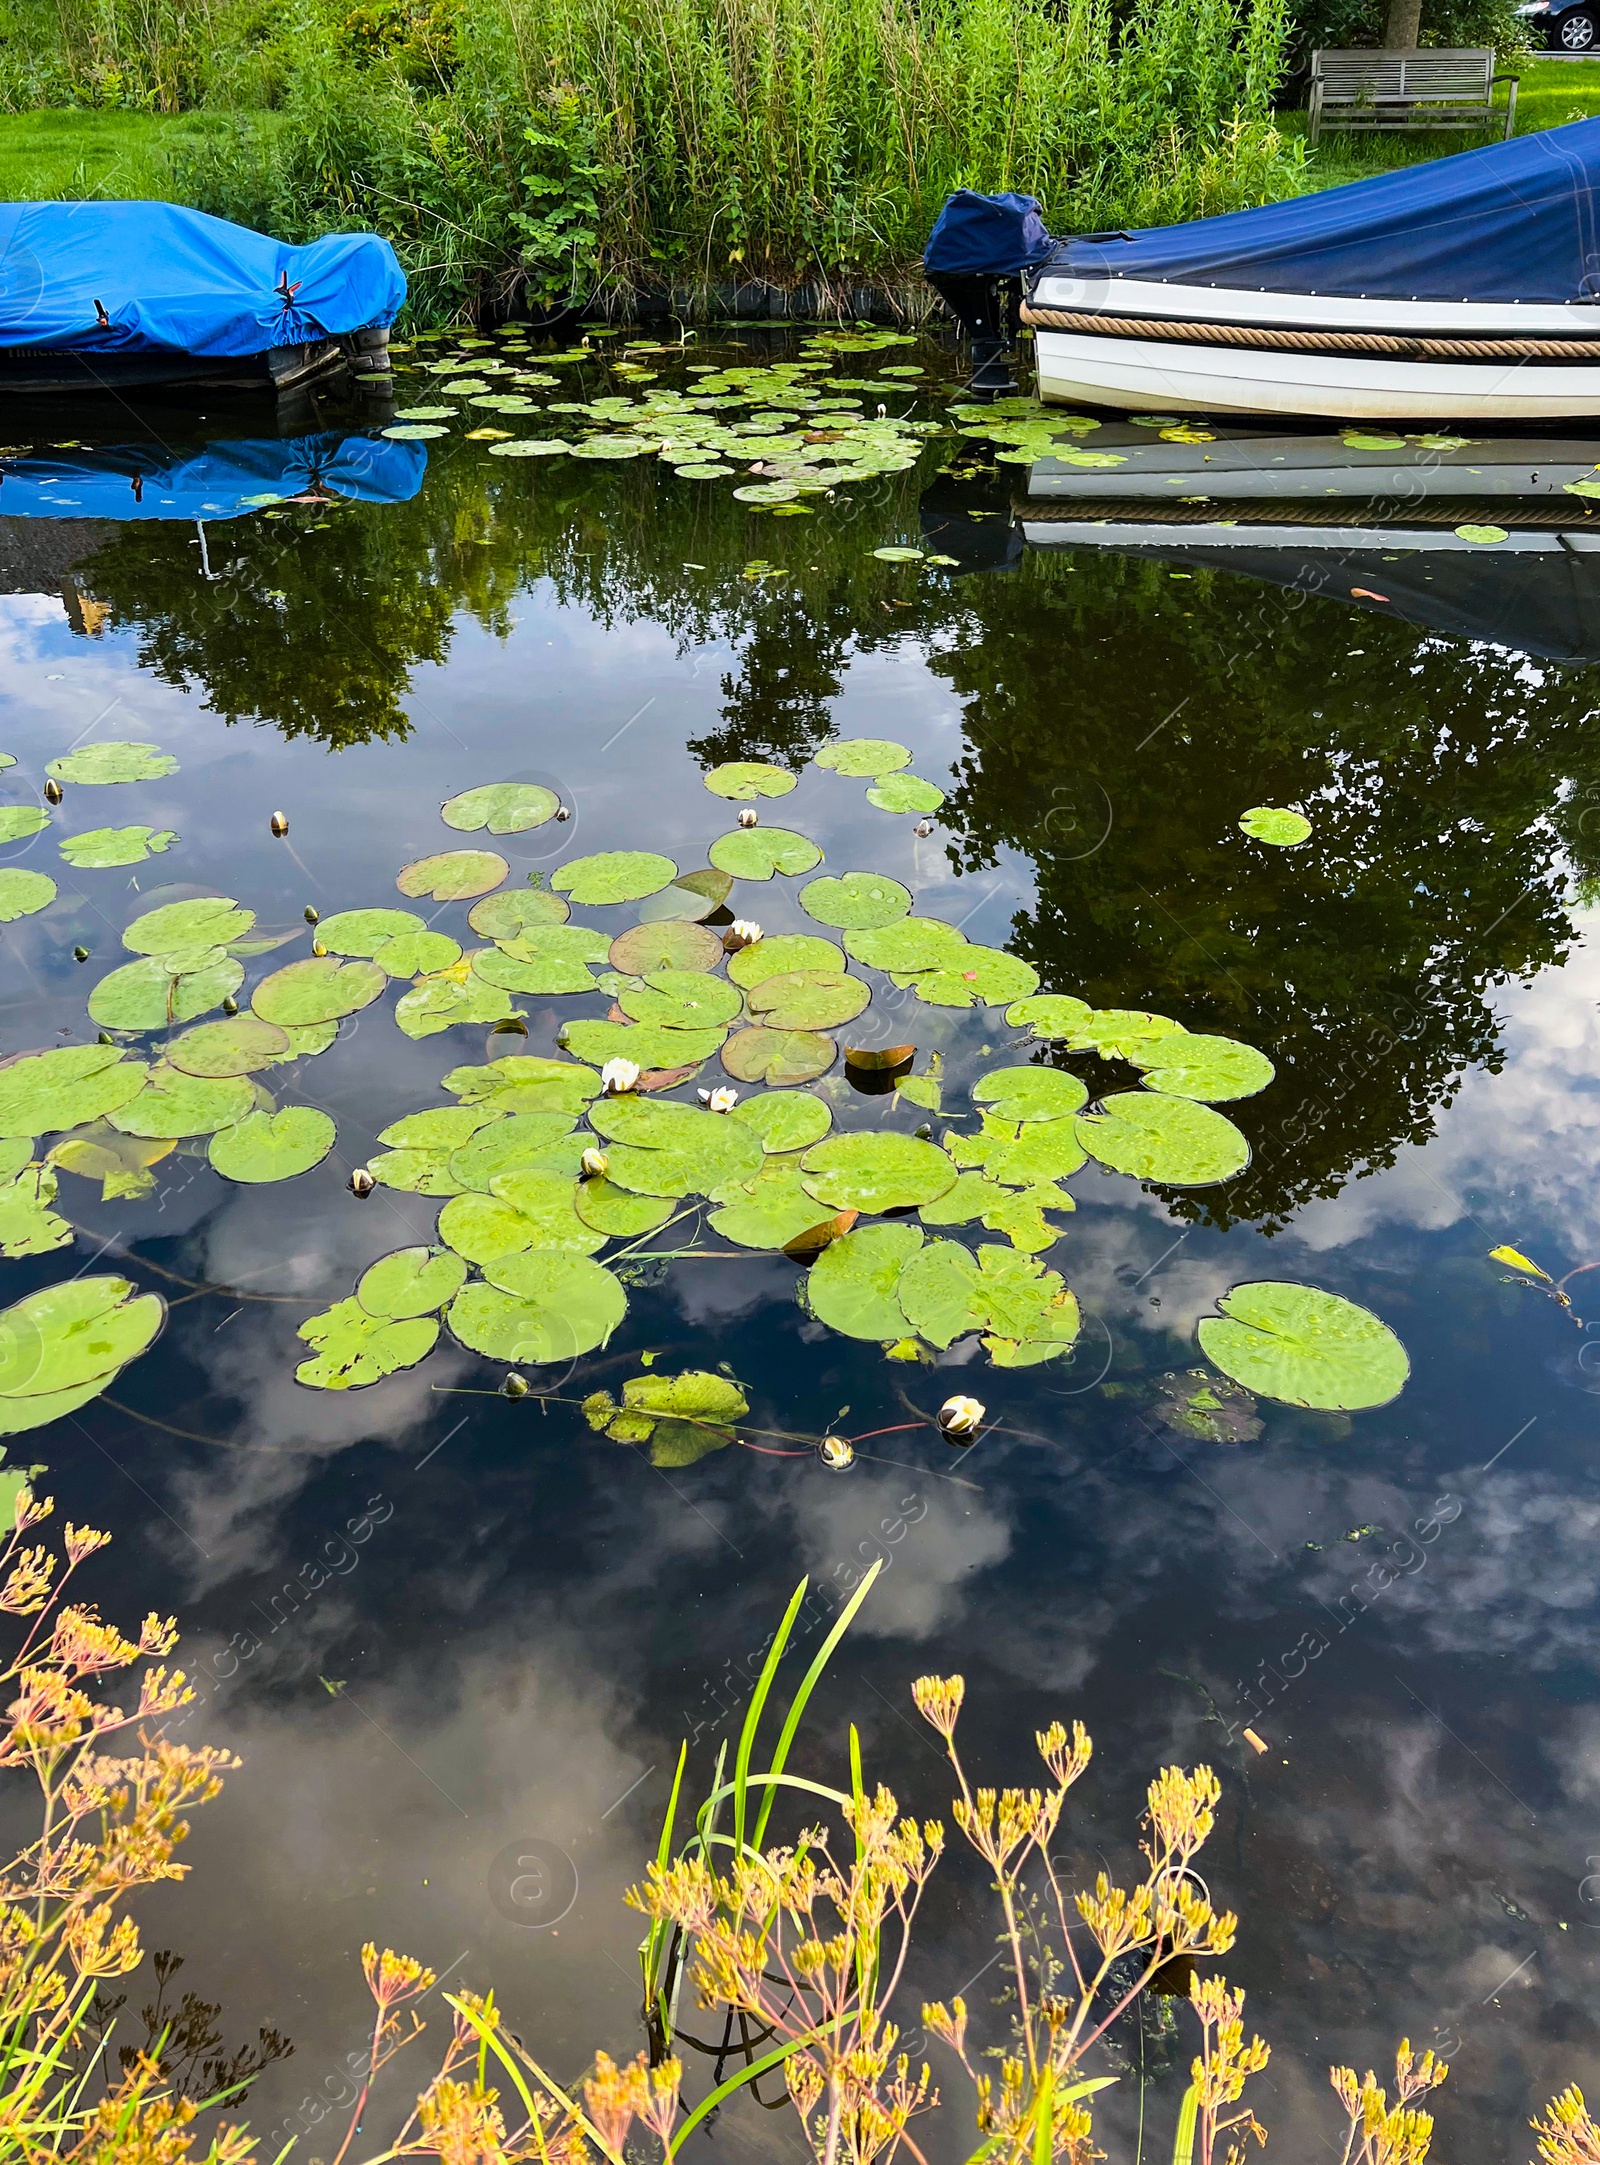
<point x="221" y="482"/>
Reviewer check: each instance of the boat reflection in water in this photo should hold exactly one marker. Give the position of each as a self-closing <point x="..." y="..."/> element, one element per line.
<point x="220" y="481"/>
<point x="1484" y="539"/>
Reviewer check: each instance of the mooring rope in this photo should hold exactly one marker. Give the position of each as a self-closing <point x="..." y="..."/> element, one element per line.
<point x="1287" y="341"/>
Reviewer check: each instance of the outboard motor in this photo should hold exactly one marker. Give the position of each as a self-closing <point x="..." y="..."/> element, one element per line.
<point x="978" y="250"/>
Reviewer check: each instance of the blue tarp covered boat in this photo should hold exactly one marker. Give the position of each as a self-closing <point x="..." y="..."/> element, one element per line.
<point x="128" y="293"/>
<point x="1467" y="288"/>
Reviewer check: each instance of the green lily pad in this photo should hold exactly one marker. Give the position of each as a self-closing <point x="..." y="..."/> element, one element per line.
<point x="510" y="915"/>
<point x="756" y="853"/>
<point x="113" y="762"/>
<point x="964" y="1204"/>
<point x="212" y="921"/>
<point x="617" y="1212"/>
<point x="411" y="1282"/>
<point x="525" y="1083"/>
<point x="418" y="954"/>
<point x="516" y="1143"/>
<point x="646" y="1043"/>
<point x="438" y="1003"/>
<point x="744" y="779"/>
<point x="781" y="953"/>
<point x="45" y="1093"/>
<point x="272" y="1146"/>
<point x="353" y="1349"/>
<point x="974" y="977"/>
<point x="551" y="1307"/>
<point x="121" y="1163"/>
<point x="779" y="1058"/>
<point x="785" y="1119"/>
<point x="1020" y="1215"/>
<point x="670" y="945"/>
<point x="863" y="756"/>
<point x="771" y="1210"/>
<point x="1122" y="1033"/>
<point x="363" y="932"/>
<point x="876" y="1171"/>
<point x="682" y="1418"/>
<point x="452" y="875"/>
<point x="935" y="1289"/>
<point x="688" y="898"/>
<point x="502" y="807"/>
<point x="440" y="1127"/>
<point x="534" y="1210"/>
<point x="75" y="1336"/>
<point x="857" y="901"/>
<point x="613" y="875"/>
<point x="174" y="1104"/>
<point x="239" y="1045"/>
<point x="1022" y="1155"/>
<point x="1215" y="1069"/>
<point x="1172" y="1140"/>
<point x="685" y="999"/>
<point x="905" y="793"/>
<point x="852" y="1286"/>
<point x="414" y="1172"/>
<point x="319" y="989"/>
<point x="1050" y="1015"/>
<point x="1030" y="1093"/>
<point x="18" y="821"/>
<point x="28" y="1226"/>
<point x="899" y="556"/>
<point x="1484" y="535"/>
<point x="23" y="894"/>
<point x="1305" y="1347"/>
<point x="661" y="1148"/>
<point x="1267" y="823"/>
<point x="808" y="999"/>
<point x="907" y="945"/>
<point x="102" y="847"/>
<point x="543" y="974"/>
<point x="145" y="995"/>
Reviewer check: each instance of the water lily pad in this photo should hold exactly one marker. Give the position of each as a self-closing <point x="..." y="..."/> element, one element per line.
<point x="852" y="1286"/>
<point x="876" y="1171"/>
<point x="271" y="1146"/>
<point x="744" y="779"/>
<point x="660" y="1148"/>
<point x="145" y="995"/>
<point x="414" y="1172"/>
<point x="1025" y="1154"/>
<point x="453" y="875"/>
<point x="411" y="1282"/>
<point x="72" y="1337"/>
<point x="239" y="1045"/>
<point x="412" y="432"/>
<point x="685" y="999"/>
<point x="439" y="1127"/>
<point x="28" y="1226"/>
<point x="113" y="762"/>
<point x="562" y="1305"/>
<point x="534" y="1209"/>
<point x="670" y="945"/>
<point x="102" y="847"/>
<point x="899" y="556"/>
<point x="769" y="1211"/>
<point x="417" y="954"/>
<point x="44" y="1093"/>
<point x="1215" y="1069"/>
<point x="542" y="974"/>
<point x="319" y="989"/>
<point x="363" y="932"/>
<point x="857" y="901"/>
<point x="905" y="793"/>
<point x="780" y="953"/>
<point x="1172" y="1140"/>
<point x="525" y="1083"/>
<point x="438" y="1003"/>
<point x="508" y="916"/>
<point x="613" y="875"/>
<point x="23" y="894"/>
<point x="688" y="898"/>
<point x="1486" y="536"/>
<point x="502" y="807"/>
<point x="1122" y="1033"/>
<point x="779" y="1058"/>
<point x="617" y="1212"/>
<point x="907" y="945"/>
<point x="121" y="1163"/>
<point x="785" y="1119"/>
<point x="756" y="853"/>
<point x="974" y="976"/>
<point x="516" y="1143"/>
<point x="1305" y="1347"/>
<point x="808" y="999"/>
<point x="936" y="1289"/>
<point x="1030" y="1093"/>
<point x="647" y="1044"/>
<point x="18" y="821"/>
<point x="174" y="1104"/>
<point x="353" y="1348"/>
<point x="682" y="1418"/>
<point x="1267" y="823"/>
<point x="211" y="921"/>
<point x="863" y="756"/>
<point x="1050" y="1015"/>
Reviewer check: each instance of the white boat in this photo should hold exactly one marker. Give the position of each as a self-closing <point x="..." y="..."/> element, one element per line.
<point x="1467" y="289"/>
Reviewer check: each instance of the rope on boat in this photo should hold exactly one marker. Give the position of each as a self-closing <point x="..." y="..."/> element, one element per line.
<point x="1281" y="340"/>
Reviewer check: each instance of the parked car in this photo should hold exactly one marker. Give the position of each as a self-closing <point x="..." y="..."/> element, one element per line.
<point x="1570" y="26"/>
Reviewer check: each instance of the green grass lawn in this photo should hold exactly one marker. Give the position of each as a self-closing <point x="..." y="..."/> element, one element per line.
<point x="1549" y="94"/>
<point x="46" y="157"/>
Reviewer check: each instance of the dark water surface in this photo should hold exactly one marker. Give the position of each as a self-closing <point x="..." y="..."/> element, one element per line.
<point x="532" y="1618"/>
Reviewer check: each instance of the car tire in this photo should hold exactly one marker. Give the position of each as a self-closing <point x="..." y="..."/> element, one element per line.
<point x="1577" y="31"/>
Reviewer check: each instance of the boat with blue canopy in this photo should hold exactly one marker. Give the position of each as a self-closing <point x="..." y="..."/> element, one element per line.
<point x="1464" y="289"/>
<point x="113" y="296"/>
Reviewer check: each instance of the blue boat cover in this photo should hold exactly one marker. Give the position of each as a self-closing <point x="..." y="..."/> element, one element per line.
<point x="1515" y="222"/>
<point x="154" y="278"/>
<point x="988" y="236"/>
<point x="140" y="482"/>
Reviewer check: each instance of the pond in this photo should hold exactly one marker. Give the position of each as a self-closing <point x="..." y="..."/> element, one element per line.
<point x="457" y="1637"/>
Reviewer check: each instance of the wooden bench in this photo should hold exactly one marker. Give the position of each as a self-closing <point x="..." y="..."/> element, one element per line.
<point x="1382" y="89"/>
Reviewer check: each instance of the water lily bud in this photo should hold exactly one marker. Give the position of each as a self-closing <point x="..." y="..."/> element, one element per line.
<point x="230" y="1005"/>
<point x="743" y="932"/>
<point x="317" y="948"/>
<point x="836" y="1453"/>
<point x="53" y="792"/>
<point x="510" y="1026"/>
<point x="312" y="913"/>
<point x="279" y="823"/>
<point x="514" y="1386"/>
<point x="563" y="812"/>
<point x="105" y="1038"/>
<point x="925" y="1132"/>
<point x="961" y="1418"/>
<point x="595" y="1164"/>
<point x="883" y="413"/>
<point x="619" y="1076"/>
<point x="923" y="829"/>
<point x="80" y="954"/>
<point x="749" y="816"/>
<point x="361" y="1183"/>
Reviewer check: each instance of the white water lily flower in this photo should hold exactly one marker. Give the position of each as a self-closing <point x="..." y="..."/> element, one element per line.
<point x="595" y="1164"/>
<point x="962" y="1417"/>
<point x="619" y="1076"/>
<point x="743" y="932"/>
<point x="836" y="1453"/>
<point x="722" y="1100"/>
